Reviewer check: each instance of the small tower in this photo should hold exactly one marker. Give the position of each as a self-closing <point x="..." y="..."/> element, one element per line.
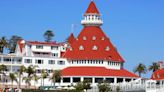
<point x="92" y="16"/>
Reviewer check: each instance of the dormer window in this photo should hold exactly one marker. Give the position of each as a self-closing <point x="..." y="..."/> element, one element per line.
<point x="81" y="47"/>
<point x="94" y="47"/>
<point x="102" y="38"/>
<point x="84" y="38"/>
<point x="94" y="38"/>
<point x="107" y="48"/>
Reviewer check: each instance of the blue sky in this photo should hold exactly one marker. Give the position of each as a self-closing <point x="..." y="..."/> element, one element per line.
<point x="136" y="27"/>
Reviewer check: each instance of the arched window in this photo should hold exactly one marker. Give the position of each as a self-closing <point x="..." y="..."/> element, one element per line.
<point x="81" y="47"/>
<point x="84" y="38"/>
<point x="102" y="38"/>
<point x="94" y="38"/>
<point x="107" y="48"/>
<point x="94" y="47"/>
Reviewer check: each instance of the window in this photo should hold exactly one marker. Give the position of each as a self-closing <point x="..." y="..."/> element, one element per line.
<point x="102" y="38"/>
<point x="107" y="48"/>
<point x="61" y="62"/>
<point x="98" y="80"/>
<point x="94" y="38"/>
<point x="94" y="47"/>
<point x="51" y="61"/>
<point x="55" y="54"/>
<point x="39" y="46"/>
<point x="81" y="47"/>
<point x="84" y="38"/>
<point x="76" y="80"/>
<point x="38" y="61"/>
<point x="28" y="61"/>
<point x="66" y="80"/>
<point x="54" y="47"/>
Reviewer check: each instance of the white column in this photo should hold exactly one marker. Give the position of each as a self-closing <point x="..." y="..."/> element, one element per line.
<point x="124" y="80"/>
<point x="81" y="78"/>
<point x="71" y="79"/>
<point x="115" y="80"/>
<point x="61" y="81"/>
<point x="93" y="80"/>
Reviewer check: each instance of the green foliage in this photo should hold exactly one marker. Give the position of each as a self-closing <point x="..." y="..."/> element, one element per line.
<point x="56" y="76"/>
<point x="13" y="42"/>
<point x="3" y="44"/>
<point x="48" y="35"/>
<point x="141" y="68"/>
<point x="12" y="78"/>
<point x="155" y="66"/>
<point x="81" y="86"/>
<point x="104" y="87"/>
<point x="118" y="89"/>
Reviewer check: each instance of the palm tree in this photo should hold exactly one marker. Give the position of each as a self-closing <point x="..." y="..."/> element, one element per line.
<point x="3" y="44"/>
<point x="155" y="66"/>
<point x="56" y="76"/>
<point x="3" y="68"/>
<point x="27" y="81"/>
<point x="44" y="75"/>
<point x="13" y="78"/>
<point x="21" y="70"/>
<point x="141" y="68"/>
<point x="48" y="35"/>
<point x="35" y="78"/>
<point x="13" y="42"/>
<point x="31" y="70"/>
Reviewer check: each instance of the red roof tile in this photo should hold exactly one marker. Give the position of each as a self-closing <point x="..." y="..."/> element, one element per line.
<point x="92" y="8"/>
<point x="96" y="71"/>
<point x="71" y="38"/>
<point x="94" y="36"/>
<point x="158" y="75"/>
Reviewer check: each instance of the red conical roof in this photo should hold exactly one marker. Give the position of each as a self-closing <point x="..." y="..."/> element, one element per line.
<point x="71" y="38"/>
<point x="92" y="8"/>
<point x="96" y="46"/>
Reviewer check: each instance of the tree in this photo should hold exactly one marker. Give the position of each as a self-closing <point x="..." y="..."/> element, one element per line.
<point x="27" y="81"/>
<point x="12" y="78"/>
<point x="31" y="70"/>
<point x="104" y="87"/>
<point x="155" y="66"/>
<point x="56" y="76"/>
<point x="87" y="84"/>
<point x="44" y="75"/>
<point x="13" y="42"/>
<point x="141" y="68"/>
<point x="3" y="44"/>
<point x="21" y="70"/>
<point x="84" y="85"/>
<point x="3" y="68"/>
<point x="48" y="35"/>
<point x="35" y="78"/>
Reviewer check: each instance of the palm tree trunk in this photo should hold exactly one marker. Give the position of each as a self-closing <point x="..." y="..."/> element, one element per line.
<point x="43" y="81"/>
<point x="19" y="81"/>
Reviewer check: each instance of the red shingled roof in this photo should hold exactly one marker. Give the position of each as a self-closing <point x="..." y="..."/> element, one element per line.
<point x="92" y="8"/>
<point x="71" y="38"/>
<point x="96" y="71"/>
<point x="158" y="75"/>
<point x="100" y="40"/>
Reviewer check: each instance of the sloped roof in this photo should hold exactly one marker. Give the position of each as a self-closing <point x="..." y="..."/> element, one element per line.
<point x="90" y="37"/>
<point x="96" y="71"/>
<point x="71" y="38"/>
<point x="20" y="45"/>
<point x="92" y="8"/>
<point x="158" y="75"/>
